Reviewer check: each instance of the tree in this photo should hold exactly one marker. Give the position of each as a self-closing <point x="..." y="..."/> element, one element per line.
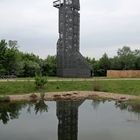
<point x="125" y="51"/>
<point x="127" y="58"/>
<point x="30" y="64"/>
<point x="3" y="49"/>
<point x="9" y="57"/>
<point x="13" y="44"/>
<point x="49" y="66"/>
<point x="137" y="63"/>
<point x="115" y="63"/>
<point x="12" y="59"/>
<point x="104" y="64"/>
<point x="31" y="68"/>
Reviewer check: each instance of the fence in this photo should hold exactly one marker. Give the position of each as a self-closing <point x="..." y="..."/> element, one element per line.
<point x="123" y="73"/>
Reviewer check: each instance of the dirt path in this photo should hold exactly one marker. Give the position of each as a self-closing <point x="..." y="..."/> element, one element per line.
<point x="73" y="95"/>
<point x="72" y="79"/>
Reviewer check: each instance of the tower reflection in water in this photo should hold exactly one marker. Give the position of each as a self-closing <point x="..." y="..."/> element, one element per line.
<point x="67" y="114"/>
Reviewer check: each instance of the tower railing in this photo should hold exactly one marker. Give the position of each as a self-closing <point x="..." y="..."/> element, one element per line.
<point x="58" y="3"/>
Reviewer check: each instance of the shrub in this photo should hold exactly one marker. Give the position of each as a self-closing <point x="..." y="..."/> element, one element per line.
<point x="40" y="81"/>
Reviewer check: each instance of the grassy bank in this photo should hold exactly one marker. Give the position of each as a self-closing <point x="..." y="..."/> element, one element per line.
<point x="131" y="87"/>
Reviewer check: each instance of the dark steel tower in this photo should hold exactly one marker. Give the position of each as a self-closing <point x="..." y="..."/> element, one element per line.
<point x="70" y="62"/>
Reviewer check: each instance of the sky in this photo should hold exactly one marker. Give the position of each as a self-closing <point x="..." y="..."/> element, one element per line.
<point x="106" y="25"/>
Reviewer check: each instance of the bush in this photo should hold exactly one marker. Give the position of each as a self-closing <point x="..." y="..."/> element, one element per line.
<point x="40" y="81"/>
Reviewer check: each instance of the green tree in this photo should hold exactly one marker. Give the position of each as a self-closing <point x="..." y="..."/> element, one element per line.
<point x="30" y="64"/>
<point x="49" y="66"/>
<point x="9" y="58"/>
<point x="3" y="49"/>
<point x="12" y="59"/>
<point x="115" y="63"/>
<point x="30" y="68"/>
<point x="104" y="64"/>
<point x="127" y="58"/>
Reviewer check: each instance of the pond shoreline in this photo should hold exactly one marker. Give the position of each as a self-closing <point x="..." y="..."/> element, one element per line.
<point x="71" y="95"/>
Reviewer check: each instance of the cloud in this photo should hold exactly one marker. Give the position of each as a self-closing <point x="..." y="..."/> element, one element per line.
<point x="105" y="25"/>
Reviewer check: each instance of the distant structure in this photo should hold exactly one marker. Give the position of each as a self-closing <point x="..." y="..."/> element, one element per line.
<point x="70" y="62"/>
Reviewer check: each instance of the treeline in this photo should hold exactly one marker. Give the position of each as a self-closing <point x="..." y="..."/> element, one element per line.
<point x="15" y="62"/>
<point x="126" y="59"/>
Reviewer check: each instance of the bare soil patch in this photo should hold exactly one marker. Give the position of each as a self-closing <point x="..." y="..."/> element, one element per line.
<point x="73" y="95"/>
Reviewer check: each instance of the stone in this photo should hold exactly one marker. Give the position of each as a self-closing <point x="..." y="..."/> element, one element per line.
<point x="33" y="96"/>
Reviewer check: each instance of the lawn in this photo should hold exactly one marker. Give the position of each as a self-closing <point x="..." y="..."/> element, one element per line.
<point x="131" y="87"/>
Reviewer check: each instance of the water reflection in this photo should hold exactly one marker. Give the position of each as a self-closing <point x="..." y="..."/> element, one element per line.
<point x="96" y="102"/>
<point x="92" y="123"/>
<point x="67" y="114"/>
<point x="67" y="111"/>
<point x="129" y="106"/>
<point x="40" y="107"/>
<point x="10" y="111"/>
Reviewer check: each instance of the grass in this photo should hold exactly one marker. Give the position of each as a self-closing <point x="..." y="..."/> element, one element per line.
<point x="131" y="87"/>
<point x="123" y="87"/>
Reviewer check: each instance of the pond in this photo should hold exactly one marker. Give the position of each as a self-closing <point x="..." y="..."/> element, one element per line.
<point x="69" y="120"/>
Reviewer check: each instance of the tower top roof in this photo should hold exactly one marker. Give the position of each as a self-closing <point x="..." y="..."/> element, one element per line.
<point x="72" y="3"/>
